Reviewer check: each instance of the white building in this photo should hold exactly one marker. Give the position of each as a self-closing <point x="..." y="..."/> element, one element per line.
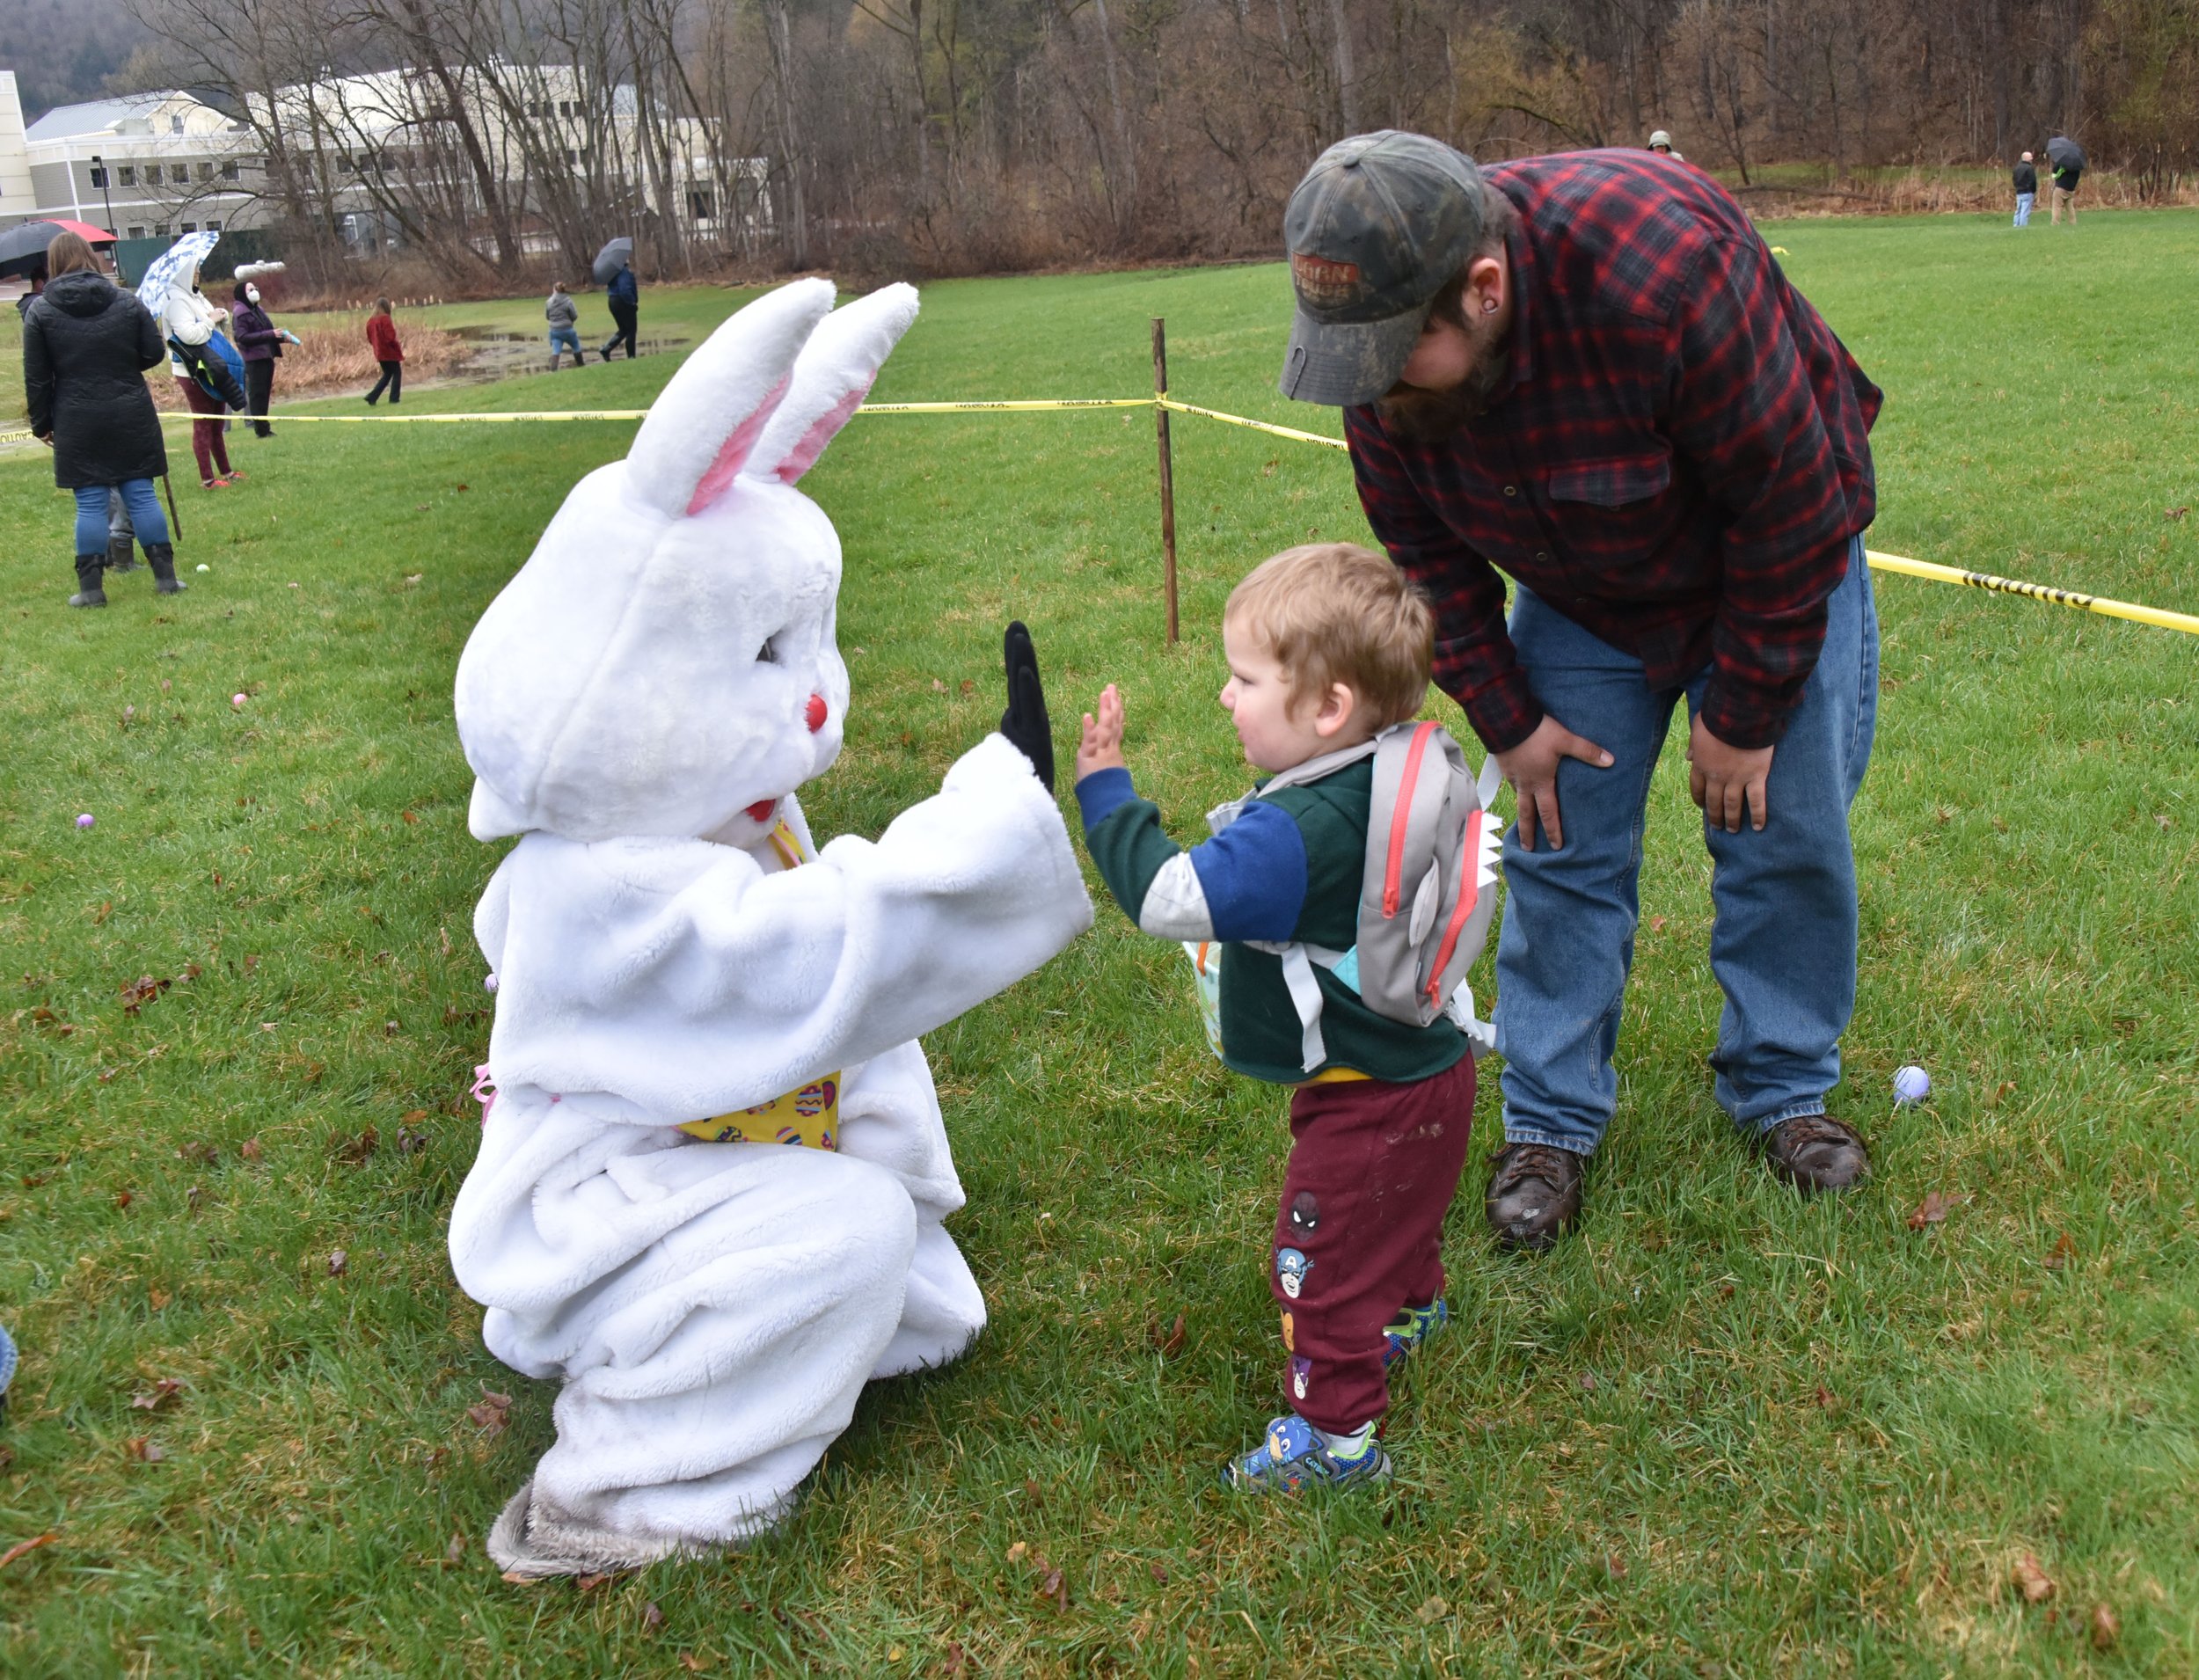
<point x="148" y="167"/>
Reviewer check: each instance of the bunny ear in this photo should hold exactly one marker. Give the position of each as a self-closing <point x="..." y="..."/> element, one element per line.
<point x="707" y="423"/>
<point x="832" y="376"/>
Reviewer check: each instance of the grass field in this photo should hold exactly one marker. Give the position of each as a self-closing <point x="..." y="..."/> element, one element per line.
<point x="1717" y="1432"/>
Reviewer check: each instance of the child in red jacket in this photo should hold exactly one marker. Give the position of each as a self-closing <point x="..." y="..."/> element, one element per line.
<point x="382" y="339"/>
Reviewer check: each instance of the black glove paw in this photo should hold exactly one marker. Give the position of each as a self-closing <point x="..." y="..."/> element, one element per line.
<point x="1025" y="722"/>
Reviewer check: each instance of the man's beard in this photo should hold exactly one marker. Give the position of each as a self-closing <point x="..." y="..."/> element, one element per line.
<point x="1424" y="416"/>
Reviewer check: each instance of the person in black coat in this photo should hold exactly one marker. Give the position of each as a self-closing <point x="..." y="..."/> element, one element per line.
<point x="260" y="341"/>
<point x="86" y="345"/>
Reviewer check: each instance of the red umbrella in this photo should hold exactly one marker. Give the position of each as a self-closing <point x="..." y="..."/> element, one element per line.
<point x="83" y="230"/>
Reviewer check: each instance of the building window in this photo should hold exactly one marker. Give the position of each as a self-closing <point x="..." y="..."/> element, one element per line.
<point x="190" y="227"/>
<point x="98" y="177"/>
<point x="138" y="232"/>
<point x="564" y="107"/>
<point x="206" y="171"/>
<point x="229" y="170"/>
<point x="126" y="175"/>
<point x="180" y="173"/>
<point x="699" y="205"/>
<point x="175" y="125"/>
<point x="569" y="157"/>
<point x="160" y="229"/>
<point x="214" y="227"/>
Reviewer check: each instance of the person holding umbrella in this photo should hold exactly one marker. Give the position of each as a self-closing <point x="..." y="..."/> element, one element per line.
<point x="2068" y="159"/>
<point x="86" y="348"/>
<point x="614" y="266"/>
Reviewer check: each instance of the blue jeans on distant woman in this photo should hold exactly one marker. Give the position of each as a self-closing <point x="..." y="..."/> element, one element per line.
<point x="144" y="510"/>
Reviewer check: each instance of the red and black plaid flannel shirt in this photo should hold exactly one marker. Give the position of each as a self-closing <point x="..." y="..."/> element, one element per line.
<point x="1675" y="459"/>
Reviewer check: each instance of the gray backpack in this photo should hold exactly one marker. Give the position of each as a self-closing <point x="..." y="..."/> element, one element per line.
<point x="1426" y="894"/>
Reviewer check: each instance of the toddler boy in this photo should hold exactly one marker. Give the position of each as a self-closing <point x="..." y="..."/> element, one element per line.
<point x="1328" y="646"/>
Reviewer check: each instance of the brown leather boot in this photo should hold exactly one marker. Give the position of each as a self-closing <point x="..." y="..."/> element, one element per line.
<point x="1816" y="1153"/>
<point x="1534" y="1194"/>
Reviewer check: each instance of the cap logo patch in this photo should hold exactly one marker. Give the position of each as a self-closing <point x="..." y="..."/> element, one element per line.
<point x="1323" y="282"/>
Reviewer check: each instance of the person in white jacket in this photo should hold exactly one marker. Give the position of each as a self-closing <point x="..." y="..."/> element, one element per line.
<point x="676" y="960"/>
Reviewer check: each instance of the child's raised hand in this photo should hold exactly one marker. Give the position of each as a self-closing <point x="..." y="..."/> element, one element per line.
<point x="1101" y="745"/>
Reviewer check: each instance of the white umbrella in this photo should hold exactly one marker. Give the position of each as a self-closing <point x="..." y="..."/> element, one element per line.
<point x="172" y="270"/>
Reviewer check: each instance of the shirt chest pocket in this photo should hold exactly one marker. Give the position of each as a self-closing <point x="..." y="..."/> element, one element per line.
<point x="1617" y="481"/>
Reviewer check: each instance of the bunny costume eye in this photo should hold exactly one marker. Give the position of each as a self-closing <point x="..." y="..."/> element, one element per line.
<point x="666" y="659"/>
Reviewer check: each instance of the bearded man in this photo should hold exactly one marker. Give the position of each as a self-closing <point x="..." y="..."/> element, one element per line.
<point x="1588" y="372"/>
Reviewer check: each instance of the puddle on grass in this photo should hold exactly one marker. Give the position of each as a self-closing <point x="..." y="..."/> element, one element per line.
<point x="499" y="353"/>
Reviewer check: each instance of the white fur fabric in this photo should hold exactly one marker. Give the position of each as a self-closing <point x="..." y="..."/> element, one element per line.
<point x="715" y="1308"/>
<point x="639" y="705"/>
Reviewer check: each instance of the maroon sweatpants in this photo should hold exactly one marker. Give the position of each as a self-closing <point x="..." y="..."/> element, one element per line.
<point x="1373" y="1168"/>
<point x="207" y="443"/>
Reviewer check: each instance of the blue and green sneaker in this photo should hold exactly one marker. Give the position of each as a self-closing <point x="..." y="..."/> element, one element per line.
<point x="1297" y="1456"/>
<point x="1405" y="1333"/>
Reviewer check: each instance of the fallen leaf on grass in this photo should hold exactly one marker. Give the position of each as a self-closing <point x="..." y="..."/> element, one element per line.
<point x="339" y="1262"/>
<point x="937" y="687"/>
<point x="491" y="1413"/>
<point x="249" y="1149"/>
<point x="694" y="1663"/>
<point x="957" y="1658"/>
<point x="408" y="817"/>
<point x="144" y="1449"/>
<point x="123" y="1198"/>
<point x="21" y="1547"/>
<point x="410" y="1141"/>
<point x="158" y="1298"/>
<point x="199" y="1150"/>
<point x="140" y="992"/>
<point x="1432" y="1611"/>
<point x="455" y="1552"/>
<point x="2033" y="1582"/>
<point x="354" y="1152"/>
<point x="2174" y="513"/>
<point x="2106" y="1627"/>
<point x="1934" y="1210"/>
<point x="652" y="1618"/>
<point x="1614" y="1566"/>
<point x="1826" y="1398"/>
<point x="1656" y="924"/>
<point x="1159" y="1572"/>
<point x="1052" y="1585"/>
<point x="2060" y="1255"/>
<point x="1169" y="1345"/>
<point x="1588" y="1381"/>
<point x="1017" y="1553"/>
<point x="590" y="1583"/>
<point x="158" y="1395"/>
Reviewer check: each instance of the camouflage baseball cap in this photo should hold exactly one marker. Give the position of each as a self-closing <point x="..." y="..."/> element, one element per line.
<point x="1378" y="227"/>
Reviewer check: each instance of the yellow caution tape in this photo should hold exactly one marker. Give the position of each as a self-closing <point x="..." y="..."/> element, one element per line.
<point x="1171" y="404"/>
<point x="2186" y="622"/>
<point x="21" y="435"/>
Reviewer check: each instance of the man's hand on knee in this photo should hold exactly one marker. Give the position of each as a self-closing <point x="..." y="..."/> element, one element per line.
<point x="1531" y="768"/>
<point x="1727" y="782"/>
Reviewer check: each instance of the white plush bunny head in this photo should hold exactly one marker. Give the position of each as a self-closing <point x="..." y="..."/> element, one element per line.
<point x="664" y="663"/>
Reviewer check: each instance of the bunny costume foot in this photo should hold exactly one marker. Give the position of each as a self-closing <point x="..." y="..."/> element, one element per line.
<point x="687" y="984"/>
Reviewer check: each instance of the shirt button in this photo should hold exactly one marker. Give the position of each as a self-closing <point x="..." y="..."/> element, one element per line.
<point x="1511" y="490"/>
<point x="1541" y="558"/>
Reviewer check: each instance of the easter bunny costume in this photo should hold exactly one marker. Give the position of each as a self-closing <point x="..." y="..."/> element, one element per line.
<point x="674" y="957"/>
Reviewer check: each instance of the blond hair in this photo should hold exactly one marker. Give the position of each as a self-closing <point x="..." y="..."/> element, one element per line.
<point x="68" y="253"/>
<point x="1335" y="612"/>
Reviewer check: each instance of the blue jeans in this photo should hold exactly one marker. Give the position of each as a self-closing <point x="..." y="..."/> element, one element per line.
<point x="2024" y="201"/>
<point x="138" y="497"/>
<point x="1784" y="930"/>
<point x="565" y="338"/>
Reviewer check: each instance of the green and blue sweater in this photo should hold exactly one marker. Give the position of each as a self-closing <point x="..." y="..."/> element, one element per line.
<point x="1289" y="868"/>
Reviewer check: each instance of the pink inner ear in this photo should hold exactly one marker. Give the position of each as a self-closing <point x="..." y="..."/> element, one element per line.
<point x="735" y="451"/>
<point x="804" y="454"/>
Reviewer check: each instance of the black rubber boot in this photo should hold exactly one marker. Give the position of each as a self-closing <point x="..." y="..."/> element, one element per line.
<point x="89" y="594"/>
<point x="162" y="558"/>
<point x="121" y="555"/>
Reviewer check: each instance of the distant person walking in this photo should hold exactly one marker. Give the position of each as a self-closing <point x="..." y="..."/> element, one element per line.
<point x="382" y="339"/>
<point x="2027" y="191"/>
<point x="86" y="348"/>
<point x="624" y="299"/>
<point x="2069" y="164"/>
<point x="260" y="341"/>
<point x="1661" y="141"/>
<point x="564" y="316"/>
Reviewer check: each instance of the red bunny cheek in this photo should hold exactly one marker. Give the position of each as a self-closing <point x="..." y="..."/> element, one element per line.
<point x="814" y="712"/>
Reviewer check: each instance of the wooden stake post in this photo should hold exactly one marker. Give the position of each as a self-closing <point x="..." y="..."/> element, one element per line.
<point x="1167" y="472"/>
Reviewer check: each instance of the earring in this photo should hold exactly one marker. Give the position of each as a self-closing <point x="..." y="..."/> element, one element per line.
<point x="1488" y="306"/>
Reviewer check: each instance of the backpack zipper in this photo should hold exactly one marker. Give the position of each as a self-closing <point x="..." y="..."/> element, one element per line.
<point x="1468" y="892"/>
<point x="1400" y="819"/>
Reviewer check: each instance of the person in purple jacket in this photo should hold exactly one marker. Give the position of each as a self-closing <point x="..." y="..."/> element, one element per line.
<point x="260" y="341"/>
